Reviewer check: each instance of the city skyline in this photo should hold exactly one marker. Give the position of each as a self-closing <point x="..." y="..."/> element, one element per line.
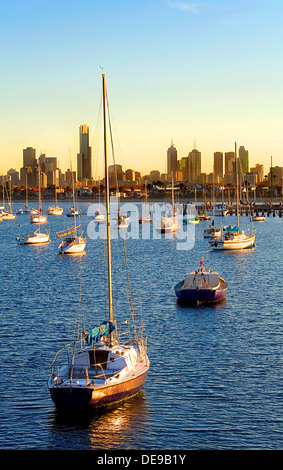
<point x="187" y="169"/>
<point x="192" y="72"/>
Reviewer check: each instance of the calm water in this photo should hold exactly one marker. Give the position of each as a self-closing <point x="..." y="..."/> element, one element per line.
<point x="215" y="380"/>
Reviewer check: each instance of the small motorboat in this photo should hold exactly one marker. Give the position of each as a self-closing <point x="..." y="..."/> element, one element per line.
<point x="201" y="286"/>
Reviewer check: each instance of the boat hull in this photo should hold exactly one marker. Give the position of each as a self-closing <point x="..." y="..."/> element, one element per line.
<point x="197" y="296"/>
<point x="248" y="242"/>
<point x="34" y="240"/>
<point x="78" y="397"/>
<point x="72" y="248"/>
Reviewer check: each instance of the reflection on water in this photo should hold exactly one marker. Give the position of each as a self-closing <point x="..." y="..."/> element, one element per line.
<point x="114" y="427"/>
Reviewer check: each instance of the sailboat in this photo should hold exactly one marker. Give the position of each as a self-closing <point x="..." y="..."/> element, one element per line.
<point x="55" y="210"/>
<point x="38" y="217"/>
<point x="234" y="240"/>
<point x="7" y="214"/>
<point x="194" y="220"/>
<point x="37" y="237"/>
<point x="73" y="240"/>
<point x="146" y="219"/>
<point x="204" y="215"/>
<point x="99" y="217"/>
<point x="99" y="375"/>
<point x="211" y="231"/>
<point x="26" y="209"/>
<point x="170" y="224"/>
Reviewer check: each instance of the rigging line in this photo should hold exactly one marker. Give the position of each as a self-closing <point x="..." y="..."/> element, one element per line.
<point x="123" y="161"/>
<point x="129" y="284"/>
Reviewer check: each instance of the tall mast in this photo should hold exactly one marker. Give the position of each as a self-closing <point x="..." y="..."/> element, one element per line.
<point x="237" y="181"/>
<point x="107" y="207"/>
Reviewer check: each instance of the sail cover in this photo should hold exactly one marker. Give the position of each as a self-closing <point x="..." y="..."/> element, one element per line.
<point x="94" y="335"/>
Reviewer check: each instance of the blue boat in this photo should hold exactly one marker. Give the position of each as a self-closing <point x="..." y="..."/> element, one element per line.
<point x="201" y="286"/>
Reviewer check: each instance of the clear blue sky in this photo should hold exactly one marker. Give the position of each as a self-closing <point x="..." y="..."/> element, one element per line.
<point x="209" y="72"/>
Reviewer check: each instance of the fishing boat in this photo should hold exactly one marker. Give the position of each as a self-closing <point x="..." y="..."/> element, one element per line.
<point x="201" y="286"/>
<point x="100" y="374"/>
<point x="20" y="211"/>
<point x="36" y="238"/>
<point x="231" y="239"/>
<point x="170" y="223"/>
<point x="73" y="240"/>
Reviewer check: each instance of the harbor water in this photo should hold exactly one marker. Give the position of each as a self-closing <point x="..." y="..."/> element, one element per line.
<point x="215" y="379"/>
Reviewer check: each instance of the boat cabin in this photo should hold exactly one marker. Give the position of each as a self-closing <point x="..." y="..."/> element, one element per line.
<point x="197" y="280"/>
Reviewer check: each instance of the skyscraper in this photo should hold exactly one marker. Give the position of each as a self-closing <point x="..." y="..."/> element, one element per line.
<point x="244" y="160"/>
<point x="84" y="157"/>
<point x="229" y="165"/>
<point x="218" y="166"/>
<point x="172" y="164"/>
<point x="195" y="166"/>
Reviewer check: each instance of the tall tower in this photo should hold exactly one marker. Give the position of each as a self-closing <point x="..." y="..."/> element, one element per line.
<point x="195" y="166"/>
<point x="84" y="157"/>
<point x="172" y="164"/>
<point x="218" y="166"/>
<point x="244" y="160"/>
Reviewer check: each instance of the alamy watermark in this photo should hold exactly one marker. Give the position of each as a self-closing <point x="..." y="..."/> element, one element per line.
<point x="137" y="221"/>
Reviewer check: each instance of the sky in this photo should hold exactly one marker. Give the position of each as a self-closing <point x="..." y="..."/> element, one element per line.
<point x="202" y="74"/>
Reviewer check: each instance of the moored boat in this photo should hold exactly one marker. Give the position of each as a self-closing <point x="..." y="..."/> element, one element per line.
<point x="101" y="375"/>
<point x="201" y="286"/>
<point x="35" y="238"/>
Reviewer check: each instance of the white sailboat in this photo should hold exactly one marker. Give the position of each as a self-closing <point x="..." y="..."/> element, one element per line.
<point x="7" y="214"/>
<point x="232" y="240"/>
<point x="146" y="219"/>
<point x="35" y="238"/>
<point x="26" y="209"/>
<point x="170" y="224"/>
<point x="99" y="375"/>
<point x="99" y="217"/>
<point x="73" y="240"/>
<point x="37" y="217"/>
<point x="55" y="210"/>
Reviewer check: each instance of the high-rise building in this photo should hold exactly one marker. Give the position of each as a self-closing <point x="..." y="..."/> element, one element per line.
<point x="229" y="165"/>
<point x="259" y="171"/>
<point x="29" y="157"/>
<point x="218" y="167"/>
<point x="115" y="174"/>
<point x="84" y="157"/>
<point x="172" y="164"/>
<point x="195" y="166"/>
<point x="28" y="172"/>
<point x="244" y="160"/>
